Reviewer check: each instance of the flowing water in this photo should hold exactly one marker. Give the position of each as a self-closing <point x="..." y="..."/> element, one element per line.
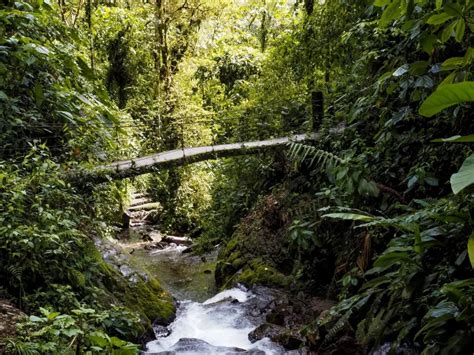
<point x="206" y="322"/>
<point x="186" y="276"/>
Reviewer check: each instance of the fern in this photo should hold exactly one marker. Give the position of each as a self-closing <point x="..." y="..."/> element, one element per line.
<point x="15" y="271"/>
<point x="304" y="209"/>
<point x="300" y="153"/>
<point x="336" y="329"/>
<point x="21" y="348"/>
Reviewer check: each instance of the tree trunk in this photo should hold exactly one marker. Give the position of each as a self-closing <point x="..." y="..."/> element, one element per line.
<point x="179" y="157"/>
<point x="309" y="6"/>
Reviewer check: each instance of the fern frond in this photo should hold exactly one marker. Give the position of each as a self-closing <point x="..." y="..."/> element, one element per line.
<point x="15" y="271"/>
<point x="335" y="330"/>
<point x="300" y="153"/>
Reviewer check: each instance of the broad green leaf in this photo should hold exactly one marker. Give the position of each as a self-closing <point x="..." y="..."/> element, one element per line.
<point x="424" y="82"/>
<point x="381" y="3"/>
<point x="349" y="216"/>
<point x="443" y="309"/>
<point x="42" y="49"/>
<point x="66" y="115"/>
<point x="438" y="19"/>
<point x="448" y="31"/>
<point x="469" y="56"/>
<point x="464" y="177"/>
<point x="449" y="79"/>
<point x="72" y="332"/>
<point x="446" y="96"/>
<point x="427" y="43"/>
<point x="389" y="259"/>
<point x="401" y="70"/>
<point x="385" y="76"/>
<point x="456" y="139"/>
<point x="432" y="181"/>
<point x="376" y="282"/>
<point x="419" y="67"/>
<point x="470" y="249"/>
<point x="412" y="181"/>
<point x="410" y="6"/>
<point x="453" y="9"/>
<point x="39" y="96"/>
<point x="84" y="99"/>
<point x="117" y="342"/>
<point x="390" y="13"/>
<point x="452" y="63"/>
<point x="98" y="340"/>
<point x="460" y="29"/>
<point x="53" y="315"/>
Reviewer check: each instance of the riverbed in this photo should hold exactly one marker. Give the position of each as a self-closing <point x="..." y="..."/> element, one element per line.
<point x="207" y="321"/>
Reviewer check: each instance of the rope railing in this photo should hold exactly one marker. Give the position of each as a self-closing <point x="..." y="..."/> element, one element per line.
<point x="224" y="129"/>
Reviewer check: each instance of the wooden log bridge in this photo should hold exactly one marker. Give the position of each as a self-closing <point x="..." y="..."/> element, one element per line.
<point x="178" y="157"/>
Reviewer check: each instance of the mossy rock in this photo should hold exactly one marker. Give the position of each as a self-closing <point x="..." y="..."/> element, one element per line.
<point x="257" y="253"/>
<point x="254" y="272"/>
<point x="258" y="272"/>
<point x="143" y="295"/>
<point x="147" y="298"/>
<point x="261" y="252"/>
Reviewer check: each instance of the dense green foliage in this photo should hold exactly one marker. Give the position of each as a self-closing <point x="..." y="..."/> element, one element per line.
<point x="55" y="116"/>
<point x="378" y="213"/>
<point x="382" y="69"/>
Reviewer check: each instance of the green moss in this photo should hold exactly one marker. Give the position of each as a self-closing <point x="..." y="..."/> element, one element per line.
<point x="259" y="272"/>
<point x="231" y="245"/>
<point x="149" y="299"/>
<point x="78" y="278"/>
<point x="234" y="256"/>
<point x="143" y="296"/>
<point x="258" y="252"/>
<point x="238" y="263"/>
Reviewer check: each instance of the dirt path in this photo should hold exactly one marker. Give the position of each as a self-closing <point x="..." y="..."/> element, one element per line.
<point x="9" y="317"/>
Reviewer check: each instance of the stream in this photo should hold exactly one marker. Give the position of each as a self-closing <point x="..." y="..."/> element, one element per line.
<point x="206" y="322"/>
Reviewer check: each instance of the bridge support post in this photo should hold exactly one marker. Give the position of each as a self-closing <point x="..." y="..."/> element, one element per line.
<point x="317" y="109"/>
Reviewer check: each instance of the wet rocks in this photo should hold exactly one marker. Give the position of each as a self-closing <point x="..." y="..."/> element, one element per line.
<point x="127" y="284"/>
<point x="289" y="339"/>
<point x="282" y="315"/>
<point x="161" y="331"/>
<point x="198" y="346"/>
<point x="282" y="324"/>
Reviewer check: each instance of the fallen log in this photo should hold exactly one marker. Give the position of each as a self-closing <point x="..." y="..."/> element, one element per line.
<point x="178" y="157"/>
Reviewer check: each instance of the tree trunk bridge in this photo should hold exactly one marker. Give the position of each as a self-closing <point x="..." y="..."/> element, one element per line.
<point x="178" y="157"/>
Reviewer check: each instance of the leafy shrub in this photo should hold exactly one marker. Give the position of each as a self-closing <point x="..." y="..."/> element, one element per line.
<point x="84" y="330"/>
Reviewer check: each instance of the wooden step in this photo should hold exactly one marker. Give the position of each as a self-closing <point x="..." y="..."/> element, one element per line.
<point x="140" y="201"/>
<point x="146" y="206"/>
<point x="139" y="195"/>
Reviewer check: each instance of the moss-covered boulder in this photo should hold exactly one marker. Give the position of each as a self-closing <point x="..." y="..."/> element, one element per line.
<point x="262" y="250"/>
<point x="143" y="295"/>
<point x="258" y="250"/>
<point x="136" y="291"/>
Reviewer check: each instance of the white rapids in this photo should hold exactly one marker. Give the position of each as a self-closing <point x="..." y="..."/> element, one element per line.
<point x="215" y="326"/>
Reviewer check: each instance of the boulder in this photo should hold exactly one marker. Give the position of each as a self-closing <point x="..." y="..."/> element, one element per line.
<point x="198" y="346"/>
<point x="289" y="339"/>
